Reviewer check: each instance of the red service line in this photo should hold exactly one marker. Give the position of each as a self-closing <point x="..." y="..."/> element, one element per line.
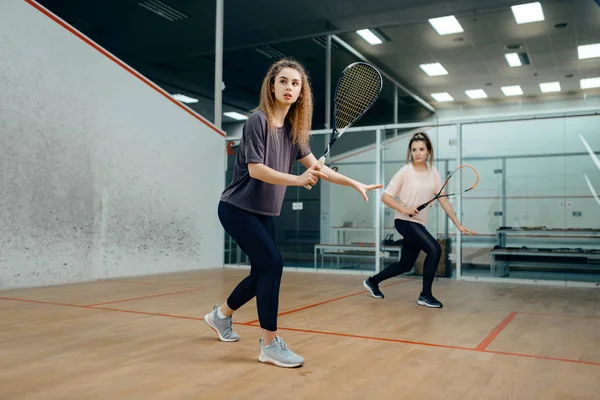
<point x="151" y="296"/>
<point x="327" y="301"/>
<point x="490" y="338"/>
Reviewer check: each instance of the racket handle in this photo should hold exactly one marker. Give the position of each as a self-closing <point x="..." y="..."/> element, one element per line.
<point x="321" y="162"/>
<point x="422" y="206"/>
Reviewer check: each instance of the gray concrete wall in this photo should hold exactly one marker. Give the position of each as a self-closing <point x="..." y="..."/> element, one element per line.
<point x="101" y="175"/>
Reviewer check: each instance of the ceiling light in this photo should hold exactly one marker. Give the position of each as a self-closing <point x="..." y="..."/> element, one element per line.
<point x="590" y="83"/>
<point x="476" y="94"/>
<point x="369" y="36"/>
<point x="513" y="59"/>
<point x="235" y="115"/>
<point x="446" y="25"/>
<point x="434" y="69"/>
<point x="512" y="90"/>
<point x="530" y="12"/>
<point x="442" y="97"/>
<point x="550" y="87"/>
<point x="588" y="51"/>
<point x="184" y="99"/>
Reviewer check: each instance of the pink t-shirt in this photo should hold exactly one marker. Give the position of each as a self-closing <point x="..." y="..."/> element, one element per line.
<point x="413" y="188"/>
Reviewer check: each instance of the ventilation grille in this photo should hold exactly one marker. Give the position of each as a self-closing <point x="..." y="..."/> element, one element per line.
<point x="270" y="52"/>
<point x="162" y="10"/>
<point x="322" y="41"/>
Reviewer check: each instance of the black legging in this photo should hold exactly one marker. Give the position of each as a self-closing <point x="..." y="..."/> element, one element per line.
<point x="255" y="234"/>
<point x="416" y="238"/>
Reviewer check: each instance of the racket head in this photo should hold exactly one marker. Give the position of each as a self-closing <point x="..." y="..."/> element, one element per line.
<point x="357" y="90"/>
<point x="453" y="185"/>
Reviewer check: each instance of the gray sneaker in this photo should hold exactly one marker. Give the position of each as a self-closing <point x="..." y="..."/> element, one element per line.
<point x="278" y="353"/>
<point x="223" y="327"/>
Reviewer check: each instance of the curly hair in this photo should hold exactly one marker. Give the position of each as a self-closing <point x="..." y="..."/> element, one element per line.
<point x="300" y="113"/>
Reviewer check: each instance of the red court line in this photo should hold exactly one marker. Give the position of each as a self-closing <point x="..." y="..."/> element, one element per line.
<point x="113" y="309"/>
<point x="147" y="313"/>
<point x="153" y="284"/>
<point x="490" y="338"/>
<point x="142" y="297"/>
<point x="333" y="161"/>
<point x="381" y="339"/>
<point x="444" y="346"/>
<point x="506" y="353"/>
<point x="42" y="302"/>
<point x="102" y="308"/>
<point x="327" y="301"/>
<point x="120" y="63"/>
<point x="559" y="315"/>
<point x="316" y="332"/>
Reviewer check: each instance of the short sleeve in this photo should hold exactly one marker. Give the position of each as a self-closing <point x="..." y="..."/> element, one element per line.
<point x="303" y="153"/>
<point x="393" y="188"/>
<point x="254" y="134"/>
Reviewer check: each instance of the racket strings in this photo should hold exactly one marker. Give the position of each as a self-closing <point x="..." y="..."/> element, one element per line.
<point x="358" y="89"/>
<point x="351" y="106"/>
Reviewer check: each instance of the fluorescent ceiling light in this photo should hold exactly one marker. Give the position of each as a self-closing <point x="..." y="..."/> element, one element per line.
<point x="369" y="36"/>
<point x="476" y="94"/>
<point x="235" y="115"/>
<point x="550" y="87"/>
<point x="446" y="25"/>
<point x="184" y="99"/>
<point x="512" y="90"/>
<point x="530" y="12"/>
<point x="442" y="97"/>
<point x="588" y="51"/>
<point x="590" y="83"/>
<point x="434" y="69"/>
<point x="513" y="59"/>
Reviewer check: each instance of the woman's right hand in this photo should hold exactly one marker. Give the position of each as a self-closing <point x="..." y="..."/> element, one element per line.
<point x="311" y="175"/>
<point x="410" y="211"/>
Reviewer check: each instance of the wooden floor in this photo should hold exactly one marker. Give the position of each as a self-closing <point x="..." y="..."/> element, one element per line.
<point x="145" y="338"/>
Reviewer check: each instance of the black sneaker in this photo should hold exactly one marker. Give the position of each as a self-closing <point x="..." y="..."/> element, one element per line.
<point x="429" y="301"/>
<point x="373" y="289"/>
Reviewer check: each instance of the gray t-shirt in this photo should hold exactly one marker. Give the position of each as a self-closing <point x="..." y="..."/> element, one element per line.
<point x="276" y="151"/>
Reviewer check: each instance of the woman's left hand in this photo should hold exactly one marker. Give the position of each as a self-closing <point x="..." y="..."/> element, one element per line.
<point x="466" y="230"/>
<point x="363" y="189"/>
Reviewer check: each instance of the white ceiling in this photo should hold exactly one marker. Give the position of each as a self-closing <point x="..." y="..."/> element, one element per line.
<point x="478" y="58"/>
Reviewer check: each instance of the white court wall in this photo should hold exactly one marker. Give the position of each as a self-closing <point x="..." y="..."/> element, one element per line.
<point x="102" y="174"/>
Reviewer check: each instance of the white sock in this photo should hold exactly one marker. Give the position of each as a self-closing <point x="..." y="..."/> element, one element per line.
<point x="220" y="314"/>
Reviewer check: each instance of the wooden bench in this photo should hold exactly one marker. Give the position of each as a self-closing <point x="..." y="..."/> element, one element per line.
<point x="503" y="258"/>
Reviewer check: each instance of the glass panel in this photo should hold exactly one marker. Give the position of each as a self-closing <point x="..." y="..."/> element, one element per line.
<point x="445" y="161"/>
<point x="523" y="227"/>
<point x="582" y="180"/>
<point x="347" y="221"/>
<point x="298" y="226"/>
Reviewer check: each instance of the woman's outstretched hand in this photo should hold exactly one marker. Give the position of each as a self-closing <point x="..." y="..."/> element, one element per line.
<point x="363" y="189"/>
<point x="466" y="230"/>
